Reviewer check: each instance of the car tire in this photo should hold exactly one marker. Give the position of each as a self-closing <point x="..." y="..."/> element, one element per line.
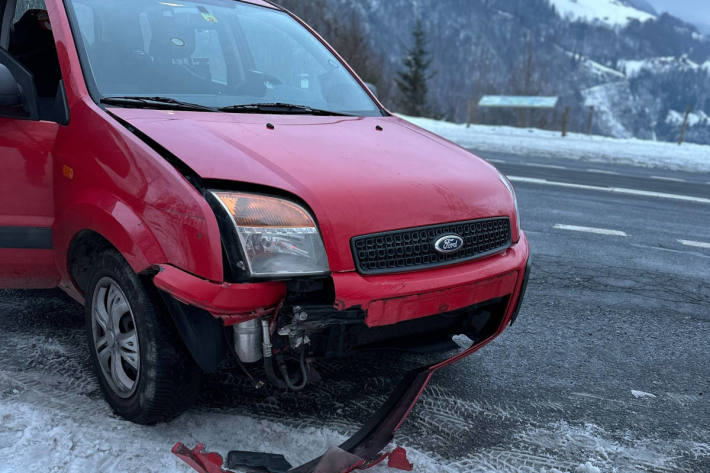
<point x="144" y="370"/>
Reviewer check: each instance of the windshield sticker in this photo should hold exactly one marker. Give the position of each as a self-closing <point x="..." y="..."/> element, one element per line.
<point x="209" y="17"/>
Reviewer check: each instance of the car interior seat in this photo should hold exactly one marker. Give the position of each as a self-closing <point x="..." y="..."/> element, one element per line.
<point x="120" y="68"/>
<point x="173" y="43"/>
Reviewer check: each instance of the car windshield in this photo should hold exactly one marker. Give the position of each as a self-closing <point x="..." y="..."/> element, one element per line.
<point x="214" y="53"/>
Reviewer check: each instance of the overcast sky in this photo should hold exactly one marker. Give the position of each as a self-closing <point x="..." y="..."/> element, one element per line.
<point x="693" y="11"/>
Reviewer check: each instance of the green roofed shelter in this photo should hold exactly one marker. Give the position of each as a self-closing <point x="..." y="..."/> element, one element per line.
<point x="517" y="101"/>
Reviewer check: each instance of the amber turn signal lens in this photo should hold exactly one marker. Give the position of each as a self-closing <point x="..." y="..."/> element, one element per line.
<point x="251" y="210"/>
<point x="68" y="172"/>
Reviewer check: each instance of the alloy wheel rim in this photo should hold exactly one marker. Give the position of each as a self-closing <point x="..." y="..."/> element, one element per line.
<point x="115" y="338"/>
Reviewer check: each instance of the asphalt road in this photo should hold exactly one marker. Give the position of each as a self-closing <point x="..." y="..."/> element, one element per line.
<point x="607" y="369"/>
<point x="605" y="314"/>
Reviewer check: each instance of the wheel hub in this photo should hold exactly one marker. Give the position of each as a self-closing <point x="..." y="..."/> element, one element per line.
<point x="115" y="338"/>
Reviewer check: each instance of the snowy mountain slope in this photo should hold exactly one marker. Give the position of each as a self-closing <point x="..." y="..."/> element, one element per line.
<point x="609" y="100"/>
<point x="657" y="65"/>
<point x="633" y="72"/>
<point x="676" y="118"/>
<point x="643" y="5"/>
<point x="611" y="13"/>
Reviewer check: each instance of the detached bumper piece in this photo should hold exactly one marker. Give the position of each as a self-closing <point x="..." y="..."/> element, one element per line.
<point x="362" y="451"/>
<point x="232" y="303"/>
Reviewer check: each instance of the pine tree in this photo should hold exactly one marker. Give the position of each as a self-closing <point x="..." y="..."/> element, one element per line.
<point x="413" y="81"/>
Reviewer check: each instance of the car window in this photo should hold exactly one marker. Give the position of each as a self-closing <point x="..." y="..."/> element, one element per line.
<point x="209" y="58"/>
<point x="86" y="16"/>
<point x="23" y="6"/>
<point x="216" y="53"/>
<point x="277" y="54"/>
<point x="31" y="43"/>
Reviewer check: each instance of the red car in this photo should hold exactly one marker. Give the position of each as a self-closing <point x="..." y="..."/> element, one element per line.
<point x="214" y="183"/>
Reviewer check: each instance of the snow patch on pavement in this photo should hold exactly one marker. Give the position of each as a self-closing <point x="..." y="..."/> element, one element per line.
<point x="587" y="468"/>
<point x="546" y="143"/>
<point x="37" y="437"/>
<point x="600" y="451"/>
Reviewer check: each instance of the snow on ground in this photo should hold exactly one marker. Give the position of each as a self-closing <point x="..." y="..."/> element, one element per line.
<point x="546" y="143"/>
<point x="48" y="437"/>
<point x="44" y="435"/>
<point x="609" y="12"/>
<point x="54" y="420"/>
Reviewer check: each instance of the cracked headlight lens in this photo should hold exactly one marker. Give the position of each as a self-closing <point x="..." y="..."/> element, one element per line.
<point x="278" y="237"/>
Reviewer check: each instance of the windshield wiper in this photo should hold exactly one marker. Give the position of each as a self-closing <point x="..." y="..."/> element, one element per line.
<point x="165" y="103"/>
<point x="281" y="108"/>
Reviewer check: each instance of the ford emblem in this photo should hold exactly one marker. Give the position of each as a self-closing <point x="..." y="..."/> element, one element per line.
<point x="448" y="244"/>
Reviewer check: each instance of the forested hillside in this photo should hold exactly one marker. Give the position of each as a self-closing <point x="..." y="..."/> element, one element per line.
<point x="640" y="76"/>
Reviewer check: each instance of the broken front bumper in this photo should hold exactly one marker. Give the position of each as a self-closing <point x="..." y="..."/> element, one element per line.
<point x="363" y="449"/>
<point x="366" y="447"/>
<point x="386" y="299"/>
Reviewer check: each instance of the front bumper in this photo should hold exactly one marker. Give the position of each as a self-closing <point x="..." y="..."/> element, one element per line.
<point x="393" y="298"/>
<point x="233" y="303"/>
<point x="386" y="299"/>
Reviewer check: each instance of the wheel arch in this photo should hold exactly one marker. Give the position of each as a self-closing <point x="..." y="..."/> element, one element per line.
<point x="111" y="224"/>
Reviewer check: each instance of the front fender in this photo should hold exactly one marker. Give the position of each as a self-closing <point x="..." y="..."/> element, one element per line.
<point x="110" y="181"/>
<point x="115" y="221"/>
<point x="161" y="234"/>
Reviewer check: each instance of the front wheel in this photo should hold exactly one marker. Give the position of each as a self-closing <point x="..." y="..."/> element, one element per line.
<point x="143" y="368"/>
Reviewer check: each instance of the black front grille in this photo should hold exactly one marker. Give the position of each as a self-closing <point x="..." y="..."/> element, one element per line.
<point x="413" y="248"/>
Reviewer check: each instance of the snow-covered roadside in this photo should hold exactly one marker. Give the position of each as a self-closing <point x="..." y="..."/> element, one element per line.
<point x="53" y="418"/>
<point x="545" y="143"/>
<point x="37" y="437"/>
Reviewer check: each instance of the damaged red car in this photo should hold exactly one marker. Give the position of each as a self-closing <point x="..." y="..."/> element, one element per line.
<point x="214" y="183"/>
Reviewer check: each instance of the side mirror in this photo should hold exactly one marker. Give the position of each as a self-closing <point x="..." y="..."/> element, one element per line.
<point x="18" y="95"/>
<point x="372" y="88"/>
<point x="10" y="92"/>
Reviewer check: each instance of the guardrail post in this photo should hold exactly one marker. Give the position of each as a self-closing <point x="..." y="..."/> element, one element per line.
<point x="469" y="118"/>
<point x="685" y="124"/>
<point x="591" y="120"/>
<point x="565" y="122"/>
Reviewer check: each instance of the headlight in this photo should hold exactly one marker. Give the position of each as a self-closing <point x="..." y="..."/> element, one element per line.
<point x="511" y="189"/>
<point x="278" y="237"/>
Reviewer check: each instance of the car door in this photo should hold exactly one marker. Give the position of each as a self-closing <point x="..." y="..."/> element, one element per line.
<point x="26" y="170"/>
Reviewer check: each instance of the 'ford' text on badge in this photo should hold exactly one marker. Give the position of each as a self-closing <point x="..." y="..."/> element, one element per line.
<point x="448" y="244"/>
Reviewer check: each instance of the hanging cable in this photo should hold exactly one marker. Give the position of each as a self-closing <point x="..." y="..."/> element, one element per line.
<point x="287" y="378"/>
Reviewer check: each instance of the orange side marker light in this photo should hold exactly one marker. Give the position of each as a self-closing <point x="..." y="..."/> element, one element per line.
<point x="68" y="172"/>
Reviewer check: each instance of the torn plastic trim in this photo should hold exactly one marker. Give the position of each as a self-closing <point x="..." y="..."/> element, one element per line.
<point x="368" y="443"/>
<point x="521" y="293"/>
<point x="232" y="303"/>
<point x="366" y="446"/>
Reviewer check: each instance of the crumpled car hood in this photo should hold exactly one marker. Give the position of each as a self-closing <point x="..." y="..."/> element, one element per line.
<point x="356" y="178"/>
